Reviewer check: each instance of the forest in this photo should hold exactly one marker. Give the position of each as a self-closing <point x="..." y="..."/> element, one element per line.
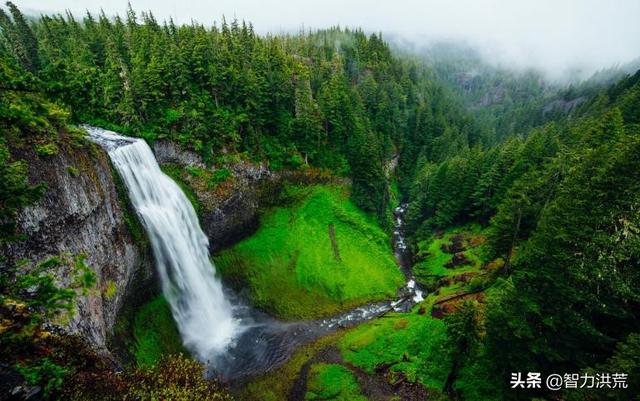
<point x="522" y="209"/>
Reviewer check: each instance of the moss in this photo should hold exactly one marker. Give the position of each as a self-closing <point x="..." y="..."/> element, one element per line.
<point x="431" y="267"/>
<point x="47" y="149"/>
<point x="332" y="382"/>
<point x="142" y="289"/>
<point x="412" y="344"/>
<point x="155" y="333"/>
<point x="295" y="268"/>
<point x="110" y="289"/>
<point x="73" y="171"/>
<point x="210" y="178"/>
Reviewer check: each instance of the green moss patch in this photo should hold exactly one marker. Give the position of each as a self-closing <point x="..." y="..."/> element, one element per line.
<point x="332" y="382"/>
<point x="454" y="252"/>
<point x="413" y="345"/>
<point x="317" y="257"/>
<point x="155" y="332"/>
<point x="277" y="384"/>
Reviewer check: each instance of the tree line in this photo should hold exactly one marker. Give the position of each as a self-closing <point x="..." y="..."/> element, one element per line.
<point x="335" y="99"/>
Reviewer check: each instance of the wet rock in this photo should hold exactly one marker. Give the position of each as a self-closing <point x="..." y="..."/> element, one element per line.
<point x="234" y="215"/>
<point x="404" y="292"/>
<point x="168" y="152"/>
<point x="228" y="215"/>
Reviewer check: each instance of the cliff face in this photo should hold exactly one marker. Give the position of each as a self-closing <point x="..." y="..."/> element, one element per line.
<point x="230" y="212"/>
<point x="85" y="212"/>
<point x="81" y="214"/>
<point x="230" y="209"/>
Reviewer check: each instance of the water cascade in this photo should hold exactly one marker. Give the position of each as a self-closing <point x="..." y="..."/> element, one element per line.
<point x="233" y="339"/>
<point x="202" y="312"/>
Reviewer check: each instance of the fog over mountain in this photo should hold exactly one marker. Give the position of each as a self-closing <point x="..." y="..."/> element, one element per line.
<point x="557" y="37"/>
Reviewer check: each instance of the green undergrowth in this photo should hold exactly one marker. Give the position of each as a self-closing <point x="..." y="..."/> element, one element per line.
<point x="155" y="333"/>
<point x="332" y="382"/>
<point x="433" y="257"/>
<point x="411" y="344"/>
<point x="317" y="256"/>
<point x="394" y="200"/>
<point x="210" y="179"/>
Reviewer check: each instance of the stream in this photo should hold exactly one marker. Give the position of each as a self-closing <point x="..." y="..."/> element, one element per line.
<point x="233" y="339"/>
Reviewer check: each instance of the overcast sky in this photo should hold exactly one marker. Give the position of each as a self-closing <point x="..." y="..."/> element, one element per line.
<point x="553" y="35"/>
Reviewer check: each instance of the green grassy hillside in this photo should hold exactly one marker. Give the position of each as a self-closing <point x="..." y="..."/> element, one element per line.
<point x="316" y="257"/>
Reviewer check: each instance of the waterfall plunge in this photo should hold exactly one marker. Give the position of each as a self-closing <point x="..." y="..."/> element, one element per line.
<point x="198" y="304"/>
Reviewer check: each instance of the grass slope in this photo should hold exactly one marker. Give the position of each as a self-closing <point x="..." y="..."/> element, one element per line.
<point x="431" y="267"/>
<point x="332" y="382"/>
<point x="316" y="257"/>
<point x="412" y="344"/>
<point x="155" y="332"/>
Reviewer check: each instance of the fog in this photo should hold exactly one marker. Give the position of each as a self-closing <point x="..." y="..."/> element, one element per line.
<point x="554" y="36"/>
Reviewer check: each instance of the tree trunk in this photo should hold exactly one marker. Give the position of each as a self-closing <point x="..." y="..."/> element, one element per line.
<point x="507" y="263"/>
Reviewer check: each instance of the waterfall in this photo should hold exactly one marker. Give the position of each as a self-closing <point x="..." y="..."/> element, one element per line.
<point x="198" y="304"/>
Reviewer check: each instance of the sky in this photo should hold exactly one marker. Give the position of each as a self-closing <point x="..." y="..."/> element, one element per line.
<point x="553" y="36"/>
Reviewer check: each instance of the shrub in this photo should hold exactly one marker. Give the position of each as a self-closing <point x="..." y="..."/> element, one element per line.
<point x="47" y="149"/>
<point x="73" y="171"/>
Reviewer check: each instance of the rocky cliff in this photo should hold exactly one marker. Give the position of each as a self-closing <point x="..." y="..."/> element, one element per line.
<point x="230" y="208"/>
<point x="229" y="211"/>
<point x="82" y="214"/>
<point x="85" y="211"/>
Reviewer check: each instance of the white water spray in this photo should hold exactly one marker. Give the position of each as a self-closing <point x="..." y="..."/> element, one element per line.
<point x="203" y="314"/>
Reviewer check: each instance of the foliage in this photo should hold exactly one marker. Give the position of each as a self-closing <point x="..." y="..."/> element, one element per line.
<point x="47" y="149"/>
<point x="155" y="332"/>
<point x="625" y="359"/>
<point x="348" y="263"/>
<point x="334" y="99"/>
<point x="44" y="371"/>
<point x="332" y="382"/>
<point x="550" y="174"/>
<point x="15" y="193"/>
<point x="433" y="263"/>
<point x="561" y="208"/>
<point x="411" y="344"/>
<point x="172" y="378"/>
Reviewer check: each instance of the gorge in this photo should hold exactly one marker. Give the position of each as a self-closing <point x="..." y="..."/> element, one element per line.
<point x="205" y="212"/>
<point x="215" y="324"/>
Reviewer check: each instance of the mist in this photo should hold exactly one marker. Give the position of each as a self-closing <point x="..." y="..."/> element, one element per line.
<point x="559" y="38"/>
